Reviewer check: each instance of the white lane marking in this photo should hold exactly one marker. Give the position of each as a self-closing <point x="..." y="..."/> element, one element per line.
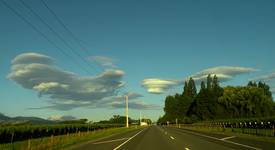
<point x="165" y="132"/>
<point x="187" y="148"/>
<point x="127" y="140"/>
<point x="111" y="141"/>
<point x="172" y="137"/>
<point x="229" y="137"/>
<point x="251" y="147"/>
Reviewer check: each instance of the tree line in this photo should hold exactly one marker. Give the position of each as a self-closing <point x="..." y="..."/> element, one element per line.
<point x="215" y="102"/>
<point x="117" y="119"/>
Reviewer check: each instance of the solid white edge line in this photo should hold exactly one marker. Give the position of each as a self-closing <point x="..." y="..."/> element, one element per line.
<point x="251" y="147"/>
<point x="127" y="140"/>
<point x="110" y="141"/>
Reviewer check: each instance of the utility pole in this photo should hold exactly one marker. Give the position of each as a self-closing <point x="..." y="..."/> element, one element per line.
<point x="126" y="110"/>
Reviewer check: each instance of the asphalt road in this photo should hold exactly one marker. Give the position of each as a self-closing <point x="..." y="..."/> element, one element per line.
<point x="168" y="138"/>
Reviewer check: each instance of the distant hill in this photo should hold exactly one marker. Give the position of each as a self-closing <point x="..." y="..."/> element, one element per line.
<point x="3" y="117"/>
<point x="20" y="120"/>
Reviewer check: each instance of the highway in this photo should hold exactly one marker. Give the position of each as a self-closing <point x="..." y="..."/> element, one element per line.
<point x="168" y="138"/>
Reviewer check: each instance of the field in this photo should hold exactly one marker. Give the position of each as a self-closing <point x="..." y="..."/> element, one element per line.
<point x="49" y="136"/>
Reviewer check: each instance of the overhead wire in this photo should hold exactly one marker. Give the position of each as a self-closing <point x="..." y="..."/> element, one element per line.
<point x="42" y="34"/>
<point x="74" y="37"/>
<point x="123" y="89"/>
<point x="56" y="33"/>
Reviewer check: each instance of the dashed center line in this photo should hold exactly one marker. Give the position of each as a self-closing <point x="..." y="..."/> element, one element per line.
<point x="128" y="140"/>
<point x="172" y="137"/>
<point x="111" y="141"/>
<point x="226" y="138"/>
<point x="243" y="145"/>
<point x="187" y="148"/>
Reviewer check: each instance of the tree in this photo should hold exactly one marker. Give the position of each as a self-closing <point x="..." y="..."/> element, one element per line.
<point x="252" y="84"/>
<point x="209" y="82"/>
<point x="215" y="102"/>
<point x="185" y="88"/>
<point x="203" y="85"/>
<point x="190" y="88"/>
<point x="266" y="89"/>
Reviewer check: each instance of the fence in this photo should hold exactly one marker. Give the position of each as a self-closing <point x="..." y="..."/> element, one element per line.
<point x="254" y="128"/>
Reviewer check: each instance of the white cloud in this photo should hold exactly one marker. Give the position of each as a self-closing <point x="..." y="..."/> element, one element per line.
<point x="32" y="58"/>
<point x="158" y="86"/>
<point x="61" y="118"/>
<point x="67" y="90"/>
<point x="136" y="105"/>
<point x="104" y="61"/>
<point x="265" y="78"/>
<point x="49" y="85"/>
<point x="224" y="73"/>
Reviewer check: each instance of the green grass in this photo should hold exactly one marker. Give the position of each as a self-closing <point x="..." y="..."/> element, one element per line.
<point x="62" y="141"/>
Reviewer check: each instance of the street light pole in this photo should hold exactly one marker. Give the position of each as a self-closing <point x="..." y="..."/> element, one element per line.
<point x="126" y="111"/>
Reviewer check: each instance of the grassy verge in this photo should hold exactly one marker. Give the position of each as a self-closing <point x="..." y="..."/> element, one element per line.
<point x="62" y="141"/>
<point x="229" y="132"/>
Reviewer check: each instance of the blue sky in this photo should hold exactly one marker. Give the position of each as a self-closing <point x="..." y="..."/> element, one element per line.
<point x="166" y="41"/>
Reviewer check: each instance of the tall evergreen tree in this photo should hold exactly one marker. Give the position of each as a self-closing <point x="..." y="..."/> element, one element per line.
<point x="185" y="88"/>
<point x="216" y="87"/>
<point x="252" y="84"/>
<point x="203" y="85"/>
<point x="209" y="82"/>
<point x="192" y="90"/>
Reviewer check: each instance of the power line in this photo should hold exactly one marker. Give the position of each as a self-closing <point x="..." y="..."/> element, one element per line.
<point x="41" y="33"/>
<point x="74" y="37"/>
<point x="123" y="89"/>
<point x="55" y="33"/>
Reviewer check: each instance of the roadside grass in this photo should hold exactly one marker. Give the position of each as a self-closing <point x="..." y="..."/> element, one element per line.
<point x="63" y="141"/>
<point x="251" y="134"/>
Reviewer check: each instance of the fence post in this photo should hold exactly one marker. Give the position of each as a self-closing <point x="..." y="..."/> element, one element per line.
<point x="273" y="130"/>
<point x="29" y="144"/>
<point x="52" y="140"/>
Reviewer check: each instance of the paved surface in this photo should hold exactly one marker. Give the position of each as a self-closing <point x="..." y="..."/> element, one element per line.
<point x="164" y="138"/>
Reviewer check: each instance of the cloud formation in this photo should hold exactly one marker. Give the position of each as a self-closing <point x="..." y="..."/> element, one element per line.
<point x="137" y="105"/>
<point x="224" y="73"/>
<point x="159" y="86"/>
<point x="66" y="90"/>
<point x="104" y="61"/>
<point x="61" y="118"/>
<point x="265" y="78"/>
